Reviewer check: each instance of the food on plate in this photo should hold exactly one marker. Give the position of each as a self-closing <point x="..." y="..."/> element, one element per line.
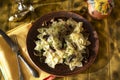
<point x="62" y="42"/>
<point x="100" y="9"/>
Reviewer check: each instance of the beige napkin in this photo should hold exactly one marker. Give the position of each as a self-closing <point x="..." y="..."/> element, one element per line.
<point x="8" y="59"/>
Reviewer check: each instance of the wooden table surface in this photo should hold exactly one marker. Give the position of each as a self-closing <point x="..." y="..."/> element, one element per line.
<point x="107" y="64"/>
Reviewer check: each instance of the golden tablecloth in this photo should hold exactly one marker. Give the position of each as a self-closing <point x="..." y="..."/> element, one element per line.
<point x="107" y="63"/>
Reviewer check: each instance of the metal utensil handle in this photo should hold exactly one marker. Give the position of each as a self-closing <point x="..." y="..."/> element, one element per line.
<point x="31" y="69"/>
<point x="7" y="38"/>
<point x="11" y="43"/>
<point x="13" y="46"/>
<point x="20" y="71"/>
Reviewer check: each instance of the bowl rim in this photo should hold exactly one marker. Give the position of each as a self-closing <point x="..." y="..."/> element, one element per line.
<point x="63" y="14"/>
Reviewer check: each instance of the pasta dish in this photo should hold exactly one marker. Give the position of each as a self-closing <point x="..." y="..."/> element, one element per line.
<point x="62" y="42"/>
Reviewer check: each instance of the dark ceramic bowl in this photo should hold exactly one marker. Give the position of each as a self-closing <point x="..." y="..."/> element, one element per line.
<point x="62" y="69"/>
